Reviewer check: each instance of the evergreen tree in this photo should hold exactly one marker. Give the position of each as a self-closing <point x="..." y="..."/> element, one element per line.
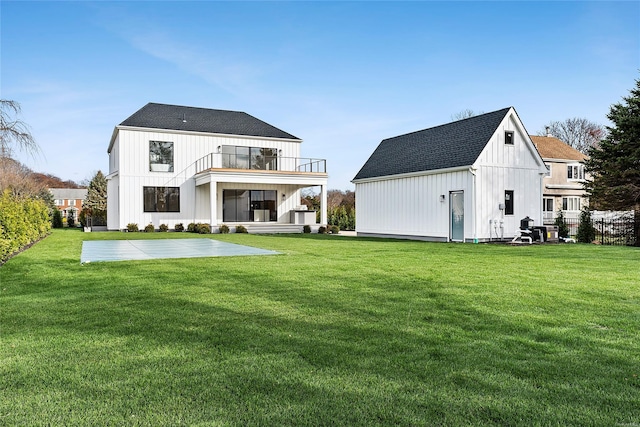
<point x="615" y="163"/>
<point x="586" y="230"/>
<point x="57" y="219"/>
<point x="96" y="201"/>
<point x="563" y="228"/>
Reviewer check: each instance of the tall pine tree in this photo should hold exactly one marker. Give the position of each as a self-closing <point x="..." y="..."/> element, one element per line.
<point x="615" y="164"/>
<point x="96" y="201"/>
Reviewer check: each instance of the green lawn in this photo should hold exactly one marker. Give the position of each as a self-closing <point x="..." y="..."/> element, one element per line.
<point x="335" y="331"/>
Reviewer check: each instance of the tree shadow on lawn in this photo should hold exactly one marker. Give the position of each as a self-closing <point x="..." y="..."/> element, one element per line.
<point x="237" y="351"/>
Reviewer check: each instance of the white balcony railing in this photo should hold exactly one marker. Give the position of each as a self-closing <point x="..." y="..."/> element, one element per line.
<point x="286" y="164"/>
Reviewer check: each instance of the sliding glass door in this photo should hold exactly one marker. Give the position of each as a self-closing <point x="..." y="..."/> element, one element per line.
<point x="249" y="205"/>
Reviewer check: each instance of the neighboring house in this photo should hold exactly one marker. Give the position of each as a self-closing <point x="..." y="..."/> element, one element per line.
<point x="470" y="180"/>
<point x="172" y="164"/>
<point x="563" y="185"/>
<point x="69" y="200"/>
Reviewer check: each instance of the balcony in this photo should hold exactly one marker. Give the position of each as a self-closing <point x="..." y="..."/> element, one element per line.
<point x="260" y="163"/>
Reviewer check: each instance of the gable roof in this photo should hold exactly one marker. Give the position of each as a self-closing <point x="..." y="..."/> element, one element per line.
<point x="69" y="193"/>
<point x="446" y="146"/>
<point x="181" y="118"/>
<point x="552" y="148"/>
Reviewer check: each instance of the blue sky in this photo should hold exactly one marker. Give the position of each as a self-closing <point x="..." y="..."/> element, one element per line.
<point x="340" y="75"/>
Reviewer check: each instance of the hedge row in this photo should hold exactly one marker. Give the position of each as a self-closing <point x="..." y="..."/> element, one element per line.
<point x="22" y="221"/>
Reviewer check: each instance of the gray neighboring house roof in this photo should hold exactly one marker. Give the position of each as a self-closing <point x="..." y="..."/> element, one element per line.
<point x="69" y="193"/>
<point x="181" y="118"/>
<point x="446" y="146"/>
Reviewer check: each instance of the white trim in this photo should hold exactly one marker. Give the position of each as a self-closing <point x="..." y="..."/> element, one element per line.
<point x="190" y="132"/>
<point x="564" y="187"/>
<point x="412" y="174"/>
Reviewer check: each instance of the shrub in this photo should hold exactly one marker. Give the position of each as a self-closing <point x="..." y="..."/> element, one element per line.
<point x="334" y="229"/>
<point x="149" y="228"/>
<point x="71" y="222"/>
<point x="306" y="229"/>
<point x="224" y="229"/>
<point x="322" y="230"/>
<point x="191" y="228"/>
<point x="23" y="221"/>
<point x="57" y="219"/>
<point x="203" y="228"/>
<point x="179" y="227"/>
<point x="563" y="228"/>
<point x="586" y="230"/>
<point x="131" y="227"/>
<point x="164" y="227"/>
<point x="241" y="229"/>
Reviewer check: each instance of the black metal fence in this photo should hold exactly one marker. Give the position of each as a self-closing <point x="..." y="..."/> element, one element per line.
<point x="620" y="230"/>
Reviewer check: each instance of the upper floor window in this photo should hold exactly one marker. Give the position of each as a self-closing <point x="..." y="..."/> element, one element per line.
<point x="238" y="157"/>
<point x="59" y="202"/>
<point x="508" y="137"/>
<point x="160" y="156"/>
<point x="72" y="202"/>
<point x="575" y="171"/>
<point x="548" y="174"/>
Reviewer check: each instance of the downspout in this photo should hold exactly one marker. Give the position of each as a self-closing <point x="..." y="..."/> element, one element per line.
<point x="473" y="170"/>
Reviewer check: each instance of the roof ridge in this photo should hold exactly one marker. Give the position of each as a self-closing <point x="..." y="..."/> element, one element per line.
<point x="451" y="123"/>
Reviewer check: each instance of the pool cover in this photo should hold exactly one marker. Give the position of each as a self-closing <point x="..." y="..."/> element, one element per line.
<point x="130" y="250"/>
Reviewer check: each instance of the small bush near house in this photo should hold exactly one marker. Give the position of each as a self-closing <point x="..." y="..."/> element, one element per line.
<point x="203" y="228"/>
<point x="164" y="227"/>
<point x="191" y="228"/>
<point x="224" y="229"/>
<point x="322" y="230"/>
<point x="71" y="222"/>
<point x="149" y="228"/>
<point x="306" y="229"/>
<point x="241" y="229"/>
<point x="334" y="229"/>
<point x="131" y="227"/>
<point x="179" y="227"/>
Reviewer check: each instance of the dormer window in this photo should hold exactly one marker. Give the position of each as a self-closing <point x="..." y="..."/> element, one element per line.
<point x="508" y="137"/>
<point x="575" y="172"/>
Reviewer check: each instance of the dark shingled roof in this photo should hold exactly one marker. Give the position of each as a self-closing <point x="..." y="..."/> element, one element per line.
<point x="446" y="146"/>
<point x="176" y="117"/>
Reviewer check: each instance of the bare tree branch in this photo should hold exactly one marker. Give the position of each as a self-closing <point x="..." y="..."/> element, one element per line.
<point x="579" y="133"/>
<point x="13" y="131"/>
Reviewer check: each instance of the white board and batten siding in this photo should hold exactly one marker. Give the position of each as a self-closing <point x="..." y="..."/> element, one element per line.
<point x="127" y="178"/>
<point x="412" y="205"/>
<point x="501" y="167"/>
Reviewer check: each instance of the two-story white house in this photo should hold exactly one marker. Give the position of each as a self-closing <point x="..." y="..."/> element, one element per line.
<point x="171" y="164"/>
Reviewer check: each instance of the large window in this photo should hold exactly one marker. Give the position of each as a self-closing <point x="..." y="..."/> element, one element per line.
<point x="575" y="172"/>
<point x="571" y="203"/>
<point x="237" y="157"/>
<point x="161" y="199"/>
<point x="249" y="205"/>
<point x="508" y="202"/>
<point x="160" y="156"/>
